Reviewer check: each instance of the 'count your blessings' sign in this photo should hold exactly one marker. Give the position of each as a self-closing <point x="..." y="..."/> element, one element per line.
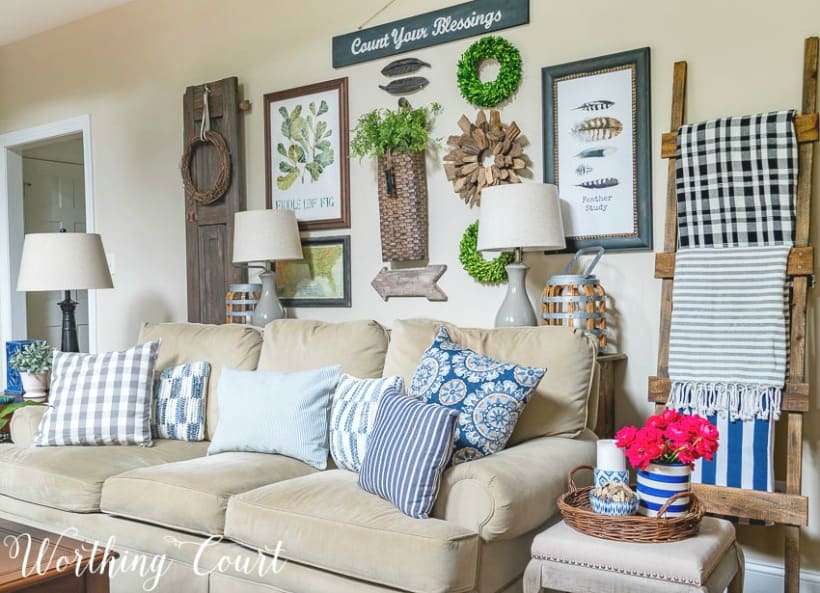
<point x="432" y="28"/>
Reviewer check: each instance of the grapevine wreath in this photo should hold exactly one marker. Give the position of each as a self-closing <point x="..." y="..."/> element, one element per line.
<point x="223" y="178"/>
<point x="485" y="271"/>
<point x="489" y="94"/>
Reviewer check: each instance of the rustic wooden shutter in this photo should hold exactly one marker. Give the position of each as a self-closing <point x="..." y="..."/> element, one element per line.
<point x="209" y="228"/>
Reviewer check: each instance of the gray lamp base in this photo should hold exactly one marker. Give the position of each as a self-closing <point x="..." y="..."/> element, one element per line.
<point x="516" y="310"/>
<point x="268" y="307"/>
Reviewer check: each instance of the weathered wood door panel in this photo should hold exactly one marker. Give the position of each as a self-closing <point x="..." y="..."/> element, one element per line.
<point x="209" y="228"/>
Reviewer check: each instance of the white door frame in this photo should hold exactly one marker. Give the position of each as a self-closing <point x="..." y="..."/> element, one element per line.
<point x="13" y="303"/>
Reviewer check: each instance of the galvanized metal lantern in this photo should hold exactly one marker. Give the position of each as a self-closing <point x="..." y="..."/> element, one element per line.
<point x="241" y="301"/>
<point x="577" y="300"/>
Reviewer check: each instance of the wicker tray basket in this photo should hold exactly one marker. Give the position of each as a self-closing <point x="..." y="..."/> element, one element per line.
<point x="578" y="514"/>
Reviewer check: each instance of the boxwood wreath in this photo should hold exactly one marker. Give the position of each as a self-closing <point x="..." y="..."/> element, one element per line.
<point x="489" y="94"/>
<point x="485" y="271"/>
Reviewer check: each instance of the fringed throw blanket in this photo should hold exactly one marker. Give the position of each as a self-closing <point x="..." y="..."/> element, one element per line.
<point x="727" y="357"/>
<point x="736" y="178"/>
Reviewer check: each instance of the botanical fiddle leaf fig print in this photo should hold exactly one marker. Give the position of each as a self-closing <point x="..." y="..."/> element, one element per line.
<point x="307" y="152"/>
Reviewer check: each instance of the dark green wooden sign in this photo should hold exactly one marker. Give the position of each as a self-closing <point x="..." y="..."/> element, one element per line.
<point x="432" y="28"/>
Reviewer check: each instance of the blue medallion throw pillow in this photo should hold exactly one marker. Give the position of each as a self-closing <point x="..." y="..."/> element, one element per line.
<point x="488" y="394"/>
<point x="407" y="452"/>
<point x="179" y="402"/>
<point x="353" y="415"/>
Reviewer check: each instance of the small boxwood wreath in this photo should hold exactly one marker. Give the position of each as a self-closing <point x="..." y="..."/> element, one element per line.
<point x="489" y="94"/>
<point x="485" y="271"/>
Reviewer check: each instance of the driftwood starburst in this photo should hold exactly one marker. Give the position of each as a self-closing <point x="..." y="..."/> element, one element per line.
<point x="487" y="153"/>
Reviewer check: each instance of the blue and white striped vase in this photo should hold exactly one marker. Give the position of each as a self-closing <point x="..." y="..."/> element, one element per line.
<point x="659" y="482"/>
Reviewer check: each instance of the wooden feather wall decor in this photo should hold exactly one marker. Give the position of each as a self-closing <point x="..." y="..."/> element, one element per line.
<point x="487" y="153"/>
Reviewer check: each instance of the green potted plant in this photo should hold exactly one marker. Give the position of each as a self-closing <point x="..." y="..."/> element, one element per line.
<point x="33" y="363"/>
<point x="398" y="139"/>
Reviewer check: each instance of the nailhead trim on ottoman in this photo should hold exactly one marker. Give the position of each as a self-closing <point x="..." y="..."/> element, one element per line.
<point x="708" y="563"/>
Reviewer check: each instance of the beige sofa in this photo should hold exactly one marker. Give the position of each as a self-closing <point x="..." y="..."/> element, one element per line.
<point x="213" y="523"/>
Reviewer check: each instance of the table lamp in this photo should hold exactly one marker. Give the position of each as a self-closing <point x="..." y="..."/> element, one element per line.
<point x="519" y="217"/>
<point x="266" y="236"/>
<point x="64" y="261"/>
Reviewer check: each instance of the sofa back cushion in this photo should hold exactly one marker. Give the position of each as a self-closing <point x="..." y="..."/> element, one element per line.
<point x="234" y="346"/>
<point x="359" y="347"/>
<point x="558" y="407"/>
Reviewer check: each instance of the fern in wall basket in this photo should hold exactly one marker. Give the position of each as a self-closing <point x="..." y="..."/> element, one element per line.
<point x="383" y="132"/>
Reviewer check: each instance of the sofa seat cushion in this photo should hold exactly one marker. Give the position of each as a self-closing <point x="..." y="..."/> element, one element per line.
<point x="71" y="478"/>
<point x="325" y="520"/>
<point x="192" y="495"/>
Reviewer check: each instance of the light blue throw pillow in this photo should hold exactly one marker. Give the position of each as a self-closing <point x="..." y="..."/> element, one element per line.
<point x="274" y="412"/>
<point x="488" y="394"/>
<point x="353" y="415"/>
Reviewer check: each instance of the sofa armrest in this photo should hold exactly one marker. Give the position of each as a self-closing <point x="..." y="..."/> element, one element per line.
<point x="25" y="423"/>
<point x="514" y="491"/>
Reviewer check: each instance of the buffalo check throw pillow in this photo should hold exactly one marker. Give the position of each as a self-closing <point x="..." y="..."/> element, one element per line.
<point x="100" y="399"/>
<point x="179" y="402"/>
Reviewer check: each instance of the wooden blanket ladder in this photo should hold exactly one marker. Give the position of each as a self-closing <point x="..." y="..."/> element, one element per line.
<point x="787" y="507"/>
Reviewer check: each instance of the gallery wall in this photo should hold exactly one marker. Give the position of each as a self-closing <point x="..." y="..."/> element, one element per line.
<point x="129" y="67"/>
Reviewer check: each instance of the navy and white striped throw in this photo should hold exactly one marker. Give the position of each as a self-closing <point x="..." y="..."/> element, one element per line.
<point x="100" y="399"/>
<point x="409" y="447"/>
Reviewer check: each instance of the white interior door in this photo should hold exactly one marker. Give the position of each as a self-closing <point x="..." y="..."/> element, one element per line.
<point x="54" y="199"/>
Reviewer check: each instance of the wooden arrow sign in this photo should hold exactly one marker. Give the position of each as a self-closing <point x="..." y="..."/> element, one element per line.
<point x="410" y="282"/>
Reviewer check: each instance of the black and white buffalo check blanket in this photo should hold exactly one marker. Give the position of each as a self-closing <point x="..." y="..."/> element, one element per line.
<point x="736" y="180"/>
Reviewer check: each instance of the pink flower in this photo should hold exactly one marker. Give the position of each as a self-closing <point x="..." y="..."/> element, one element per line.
<point x="625" y="436"/>
<point x="669" y="437"/>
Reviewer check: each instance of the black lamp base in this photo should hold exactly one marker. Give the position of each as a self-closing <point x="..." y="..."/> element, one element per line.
<point x="70" y="343"/>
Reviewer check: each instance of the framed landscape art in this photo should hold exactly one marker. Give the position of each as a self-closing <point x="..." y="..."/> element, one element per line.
<point x="597" y="149"/>
<point x="320" y="279"/>
<point x="306" y="154"/>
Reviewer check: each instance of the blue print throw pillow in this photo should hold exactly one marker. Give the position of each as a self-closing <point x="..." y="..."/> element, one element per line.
<point x="488" y="394"/>
<point x="179" y="402"/>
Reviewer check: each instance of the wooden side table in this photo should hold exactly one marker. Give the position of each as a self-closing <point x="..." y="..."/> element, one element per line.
<point x="65" y="568"/>
<point x="605" y="425"/>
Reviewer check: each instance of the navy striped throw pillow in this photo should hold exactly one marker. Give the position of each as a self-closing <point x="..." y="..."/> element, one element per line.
<point x="407" y="451"/>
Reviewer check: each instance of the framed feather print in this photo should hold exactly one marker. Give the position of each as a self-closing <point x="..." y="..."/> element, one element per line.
<point x="597" y="149"/>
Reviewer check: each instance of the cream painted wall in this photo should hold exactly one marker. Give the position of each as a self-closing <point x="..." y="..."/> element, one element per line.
<point x="129" y="67"/>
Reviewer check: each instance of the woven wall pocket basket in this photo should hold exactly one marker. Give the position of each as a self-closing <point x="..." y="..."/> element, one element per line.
<point x="578" y="514"/>
<point x="403" y="207"/>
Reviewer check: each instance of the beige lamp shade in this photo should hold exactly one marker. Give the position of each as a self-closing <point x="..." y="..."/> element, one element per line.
<point x="63" y="261"/>
<point x="266" y="235"/>
<point x="523" y="216"/>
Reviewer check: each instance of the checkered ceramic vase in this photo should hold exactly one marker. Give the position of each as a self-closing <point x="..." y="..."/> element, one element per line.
<point x="659" y="482"/>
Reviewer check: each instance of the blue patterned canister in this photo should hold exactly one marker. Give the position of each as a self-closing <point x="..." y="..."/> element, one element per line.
<point x="13" y="384"/>
<point x="659" y="482"/>
<point x="604" y="476"/>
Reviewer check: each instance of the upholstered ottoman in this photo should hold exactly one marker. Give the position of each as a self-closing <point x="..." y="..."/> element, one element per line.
<point x="566" y="560"/>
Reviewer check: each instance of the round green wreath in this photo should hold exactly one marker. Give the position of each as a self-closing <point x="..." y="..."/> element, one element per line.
<point x="485" y="271"/>
<point x="489" y="94"/>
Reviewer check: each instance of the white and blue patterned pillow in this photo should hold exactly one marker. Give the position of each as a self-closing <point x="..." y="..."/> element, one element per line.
<point x="488" y="394"/>
<point x="408" y="450"/>
<point x="179" y="402"/>
<point x="353" y="415"/>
